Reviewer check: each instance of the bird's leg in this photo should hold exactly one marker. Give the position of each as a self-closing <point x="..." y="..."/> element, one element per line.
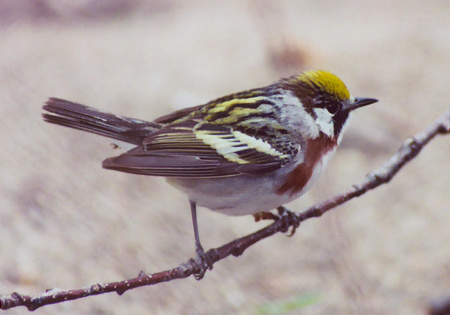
<point x="198" y="245"/>
<point x="202" y="262"/>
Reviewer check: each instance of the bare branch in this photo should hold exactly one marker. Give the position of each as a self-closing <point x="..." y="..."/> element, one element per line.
<point x="409" y="150"/>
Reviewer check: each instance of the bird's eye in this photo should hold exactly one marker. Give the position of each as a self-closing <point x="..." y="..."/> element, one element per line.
<point x="333" y="108"/>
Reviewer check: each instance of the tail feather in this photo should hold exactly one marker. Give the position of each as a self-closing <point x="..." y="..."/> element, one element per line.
<point x="81" y="117"/>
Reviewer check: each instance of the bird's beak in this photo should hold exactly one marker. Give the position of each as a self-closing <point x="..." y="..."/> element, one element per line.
<point x="360" y="102"/>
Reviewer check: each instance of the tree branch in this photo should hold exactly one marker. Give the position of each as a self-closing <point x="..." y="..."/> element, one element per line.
<point x="409" y="150"/>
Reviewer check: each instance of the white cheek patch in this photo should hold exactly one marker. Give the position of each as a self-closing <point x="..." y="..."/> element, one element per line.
<point x="295" y="118"/>
<point x="325" y="121"/>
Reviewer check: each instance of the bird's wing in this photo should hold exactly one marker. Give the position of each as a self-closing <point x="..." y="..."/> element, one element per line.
<point x="193" y="148"/>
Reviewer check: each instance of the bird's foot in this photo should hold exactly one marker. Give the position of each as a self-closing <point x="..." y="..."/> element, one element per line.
<point x="288" y="219"/>
<point x="198" y="265"/>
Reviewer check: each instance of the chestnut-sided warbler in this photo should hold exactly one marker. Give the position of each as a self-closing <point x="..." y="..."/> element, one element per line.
<point x="243" y="153"/>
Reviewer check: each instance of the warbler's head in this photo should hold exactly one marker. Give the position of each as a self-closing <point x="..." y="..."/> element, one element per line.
<point x="326" y="98"/>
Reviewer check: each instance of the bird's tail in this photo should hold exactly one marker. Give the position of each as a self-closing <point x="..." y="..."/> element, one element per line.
<point x="81" y="117"/>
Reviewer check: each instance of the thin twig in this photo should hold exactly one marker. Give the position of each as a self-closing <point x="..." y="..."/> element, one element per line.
<point x="384" y="174"/>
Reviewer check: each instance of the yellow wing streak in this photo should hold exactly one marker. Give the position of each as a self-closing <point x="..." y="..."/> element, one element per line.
<point x="221" y="107"/>
<point x="235" y="115"/>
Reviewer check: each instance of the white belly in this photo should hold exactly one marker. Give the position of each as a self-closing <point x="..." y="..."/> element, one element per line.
<point x="242" y="195"/>
<point x="238" y="195"/>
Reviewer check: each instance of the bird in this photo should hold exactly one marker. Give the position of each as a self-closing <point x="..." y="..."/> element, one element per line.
<point x="245" y="153"/>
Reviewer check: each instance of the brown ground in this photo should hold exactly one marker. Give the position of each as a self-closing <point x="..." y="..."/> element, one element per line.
<point x="67" y="223"/>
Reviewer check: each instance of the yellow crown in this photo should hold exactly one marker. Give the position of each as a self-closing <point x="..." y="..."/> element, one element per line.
<point x="326" y="81"/>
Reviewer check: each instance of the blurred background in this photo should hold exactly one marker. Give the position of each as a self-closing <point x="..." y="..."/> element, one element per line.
<point x="67" y="223"/>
